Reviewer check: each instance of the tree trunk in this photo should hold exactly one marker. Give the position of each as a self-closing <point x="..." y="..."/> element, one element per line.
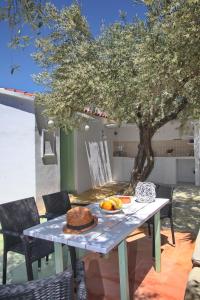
<point x="144" y="161"/>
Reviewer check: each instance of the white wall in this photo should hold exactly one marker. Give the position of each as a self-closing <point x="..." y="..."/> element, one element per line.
<point x="185" y="170"/>
<point x="197" y="152"/>
<point x="17" y="148"/>
<point x="130" y="132"/>
<point x="47" y="174"/>
<point x="122" y="167"/>
<point x="165" y="169"/>
<point x="91" y="172"/>
<point x="93" y="152"/>
<point x="23" y="173"/>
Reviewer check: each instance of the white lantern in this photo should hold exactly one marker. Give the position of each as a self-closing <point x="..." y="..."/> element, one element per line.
<point x="51" y="124"/>
<point x="145" y="192"/>
<point x="87" y="127"/>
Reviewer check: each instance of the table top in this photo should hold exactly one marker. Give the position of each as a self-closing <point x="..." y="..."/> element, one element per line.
<point x="110" y="231"/>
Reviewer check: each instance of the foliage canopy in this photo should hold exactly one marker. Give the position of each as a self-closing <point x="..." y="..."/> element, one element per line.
<point x="18" y="14"/>
<point x="145" y="71"/>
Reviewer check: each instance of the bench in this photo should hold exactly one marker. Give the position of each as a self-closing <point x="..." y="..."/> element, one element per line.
<point x="193" y="285"/>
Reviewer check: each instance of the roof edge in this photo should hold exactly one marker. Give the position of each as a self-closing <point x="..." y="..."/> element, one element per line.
<point x="17" y="93"/>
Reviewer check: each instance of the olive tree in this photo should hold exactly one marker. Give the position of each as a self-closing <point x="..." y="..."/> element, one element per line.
<point x="19" y="14"/>
<point x="144" y="72"/>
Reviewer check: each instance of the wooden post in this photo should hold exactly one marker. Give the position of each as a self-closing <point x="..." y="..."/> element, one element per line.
<point x="157" y="245"/>
<point x="67" y="163"/>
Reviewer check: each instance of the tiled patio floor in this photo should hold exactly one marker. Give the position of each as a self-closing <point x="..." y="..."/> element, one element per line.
<point x="145" y="283"/>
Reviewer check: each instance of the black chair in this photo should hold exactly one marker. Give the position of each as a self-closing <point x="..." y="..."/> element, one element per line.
<point x="15" y="217"/>
<point x="57" y="204"/>
<point x="163" y="191"/>
<point x="56" y="287"/>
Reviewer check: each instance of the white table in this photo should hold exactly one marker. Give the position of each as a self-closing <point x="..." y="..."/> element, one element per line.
<point x="111" y="231"/>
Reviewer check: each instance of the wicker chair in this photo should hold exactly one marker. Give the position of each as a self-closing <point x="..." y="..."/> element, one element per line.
<point x="56" y="287"/>
<point x="57" y="204"/>
<point x="164" y="191"/>
<point x="15" y="217"/>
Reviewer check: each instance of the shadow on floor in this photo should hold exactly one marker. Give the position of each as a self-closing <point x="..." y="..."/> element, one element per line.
<point x="16" y="269"/>
<point x="145" y="283"/>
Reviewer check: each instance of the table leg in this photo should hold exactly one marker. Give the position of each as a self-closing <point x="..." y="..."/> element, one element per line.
<point x="58" y="257"/>
<point x="80" y="253"/>
<point x="157" y="245"/>
<point x="123" y="271"/>
<point x="35" y="269"/>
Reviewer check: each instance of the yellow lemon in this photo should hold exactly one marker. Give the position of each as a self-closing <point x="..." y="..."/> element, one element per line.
<point x="118" y="202"/>
<point x="101" y="204"/>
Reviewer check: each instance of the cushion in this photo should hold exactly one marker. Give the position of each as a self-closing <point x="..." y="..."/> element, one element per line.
<point x="196" y="253"/>
<point x="193" y="286"/>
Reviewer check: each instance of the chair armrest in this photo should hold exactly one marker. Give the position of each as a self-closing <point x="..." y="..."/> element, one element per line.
<point x="16" y="234"/>
<point x="43" y="216"/>
<point x="11" y="233"/>
<point x="80" y="203"/>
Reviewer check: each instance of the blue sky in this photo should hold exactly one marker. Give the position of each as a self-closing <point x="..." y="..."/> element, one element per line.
<point x="94" y="10"/>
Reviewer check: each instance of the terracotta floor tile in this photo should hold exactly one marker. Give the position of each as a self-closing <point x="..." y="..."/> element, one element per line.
<point x="103" y="276"/>
<point x="145" y="283"/>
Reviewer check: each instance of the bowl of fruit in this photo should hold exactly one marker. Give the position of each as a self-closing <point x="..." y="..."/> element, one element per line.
<point x="111" y="205"/>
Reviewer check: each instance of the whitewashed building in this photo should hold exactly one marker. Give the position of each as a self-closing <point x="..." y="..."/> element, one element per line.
<point x="36" y="160"/>
<point x="23" y="172"/>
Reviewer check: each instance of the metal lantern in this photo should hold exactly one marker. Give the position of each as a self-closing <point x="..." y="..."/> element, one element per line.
<point x="145" y="192"/>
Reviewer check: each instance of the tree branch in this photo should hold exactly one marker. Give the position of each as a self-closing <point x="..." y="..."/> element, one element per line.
<point x="170" y="116"/>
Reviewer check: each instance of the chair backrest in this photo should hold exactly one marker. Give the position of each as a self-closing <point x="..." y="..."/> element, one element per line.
<point x="165" y="191"/>
<point x="18" y="215"/>
<point x="57" y="203"/>
<point x="57" y="287"/>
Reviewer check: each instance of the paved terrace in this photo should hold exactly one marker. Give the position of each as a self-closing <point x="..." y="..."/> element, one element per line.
<point x="145" y="283"/>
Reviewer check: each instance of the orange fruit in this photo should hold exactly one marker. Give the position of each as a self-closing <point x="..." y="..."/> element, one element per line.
<point x="107" y="205"/>
<point x="125" y="199"/>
